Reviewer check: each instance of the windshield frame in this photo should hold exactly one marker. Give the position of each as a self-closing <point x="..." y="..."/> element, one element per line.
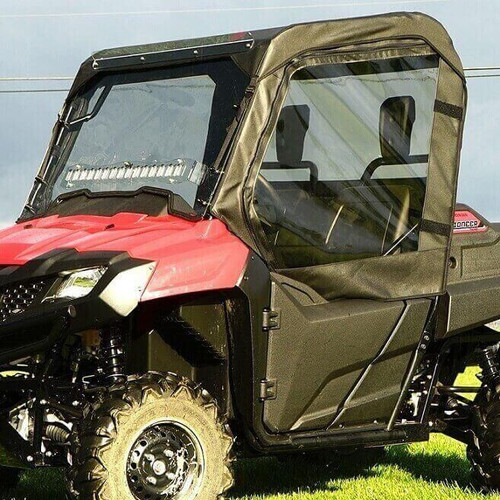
<point x="230" y="87"/>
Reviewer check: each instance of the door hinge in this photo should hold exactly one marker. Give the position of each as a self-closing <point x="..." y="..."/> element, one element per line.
<point x="271" y="320"/>
<point x="268" y="389"/>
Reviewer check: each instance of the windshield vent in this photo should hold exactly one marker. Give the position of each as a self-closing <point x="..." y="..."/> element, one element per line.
<point x="16" y="299"/>
<point x="174" y="172"/>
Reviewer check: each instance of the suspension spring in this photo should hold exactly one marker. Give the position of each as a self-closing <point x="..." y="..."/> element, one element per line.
<point x="490" y="366"/>
<point x="57" y="433"/>
<point x="112" y="354"/>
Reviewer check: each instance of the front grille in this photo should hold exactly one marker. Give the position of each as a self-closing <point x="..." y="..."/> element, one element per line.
<point x="17" y="298"/>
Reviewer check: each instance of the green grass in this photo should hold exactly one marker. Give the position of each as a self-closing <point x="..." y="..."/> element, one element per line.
<point x="436" y="470"/>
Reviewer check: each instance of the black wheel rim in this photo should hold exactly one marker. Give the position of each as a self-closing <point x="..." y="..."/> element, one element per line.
<point x="165" y="462"/>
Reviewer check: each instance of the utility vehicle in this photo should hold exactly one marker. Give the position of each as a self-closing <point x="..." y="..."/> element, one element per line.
<point x="249" y="245"/>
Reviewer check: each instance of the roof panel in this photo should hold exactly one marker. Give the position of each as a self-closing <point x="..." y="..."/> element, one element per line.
<point x="261" y="52"/>
<point x="299" y="38"/>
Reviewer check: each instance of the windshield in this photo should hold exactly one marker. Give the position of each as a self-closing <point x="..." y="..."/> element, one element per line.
<point x="157" y="129"/>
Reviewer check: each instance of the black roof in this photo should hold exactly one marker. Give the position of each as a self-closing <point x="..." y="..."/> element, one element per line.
<point x="260" y="52"/>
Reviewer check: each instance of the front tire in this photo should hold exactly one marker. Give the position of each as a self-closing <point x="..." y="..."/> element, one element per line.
<point x="484" y="451"/>
<point x="152" y="438"/>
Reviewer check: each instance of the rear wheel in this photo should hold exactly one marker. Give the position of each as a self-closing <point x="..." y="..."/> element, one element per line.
<point x="484" y="452"/>
<point x="152" y="438"/>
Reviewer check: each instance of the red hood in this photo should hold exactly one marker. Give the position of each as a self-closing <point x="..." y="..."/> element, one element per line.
<point x="190" y="256"/>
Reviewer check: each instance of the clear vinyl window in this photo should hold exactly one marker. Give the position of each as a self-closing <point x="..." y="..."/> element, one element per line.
<point x="150" y="133"/>
<point x="344" y="176"/>
<point x="158" y="128"/>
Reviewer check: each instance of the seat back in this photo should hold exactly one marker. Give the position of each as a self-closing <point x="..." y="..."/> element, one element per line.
<point x="291" y="131"/>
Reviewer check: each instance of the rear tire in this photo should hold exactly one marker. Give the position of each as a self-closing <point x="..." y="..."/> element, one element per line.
<point x="484" y="452"/>
<point x="153" y="437"/>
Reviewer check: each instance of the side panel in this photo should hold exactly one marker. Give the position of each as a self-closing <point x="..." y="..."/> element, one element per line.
<point x="318" y="353"/>
<point x="473" y="281"/>
<point x="339" y="361"/>
<point x="471" y="304"/>
<point x="377" y="391"/>
<point x="189" y="339"/>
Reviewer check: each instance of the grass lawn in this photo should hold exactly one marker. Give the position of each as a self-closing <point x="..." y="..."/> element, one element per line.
<point x="434" y="470"/>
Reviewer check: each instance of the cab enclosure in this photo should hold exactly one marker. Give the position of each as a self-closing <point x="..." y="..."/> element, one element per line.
<point x="252" y="235"/>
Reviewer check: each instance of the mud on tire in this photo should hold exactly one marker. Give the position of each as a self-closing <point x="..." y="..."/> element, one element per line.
<point x="484" y="452"/>
<point x="113" y="427"/>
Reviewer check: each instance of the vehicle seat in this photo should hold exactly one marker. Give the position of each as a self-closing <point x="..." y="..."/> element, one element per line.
<point x="291" y="131"/>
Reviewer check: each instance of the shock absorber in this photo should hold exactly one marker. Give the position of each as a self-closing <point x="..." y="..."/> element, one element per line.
<point x="490" y="366"/>
<point x="112" y="354"/>
<point x="57" y="433"/>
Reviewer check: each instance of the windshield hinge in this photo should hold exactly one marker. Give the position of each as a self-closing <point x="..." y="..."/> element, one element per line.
<point x="268" y="390"/>
<point x="271" y="319"/>
<point x="40" y="180"/>
<point x="250" y="90"/>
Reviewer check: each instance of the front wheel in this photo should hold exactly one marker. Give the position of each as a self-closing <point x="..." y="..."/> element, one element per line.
<point x="152" y="438"/>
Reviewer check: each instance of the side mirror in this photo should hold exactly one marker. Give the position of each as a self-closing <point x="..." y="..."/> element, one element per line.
<point x="397" y="116"/>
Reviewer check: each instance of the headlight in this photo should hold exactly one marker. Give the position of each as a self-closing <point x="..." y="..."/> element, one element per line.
<point x="77" y="284"/>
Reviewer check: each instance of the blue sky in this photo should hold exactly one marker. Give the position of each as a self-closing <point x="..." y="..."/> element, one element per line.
<point x="49" y="39"/>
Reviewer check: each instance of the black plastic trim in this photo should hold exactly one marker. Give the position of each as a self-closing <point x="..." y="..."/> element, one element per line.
<point x="150" y="58"/>
<point x="33" y="331"/>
